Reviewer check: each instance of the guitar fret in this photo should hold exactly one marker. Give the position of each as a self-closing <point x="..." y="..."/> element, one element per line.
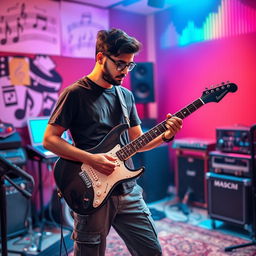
<point x="151" y="134"/>
<point x="189" y="109"/>
<point x="129" y="150"/>
<point x="134" y="144"/>
<point x="183" y="115"/>
<point x="163" y="127"/>
<point x="186" y="112"/>
<point x="146" y="138"/>
<point x="124" y="154"/>
<point x="178" y="114"/>
<point x="141" y="141"/>
<point x="192" y="108"/>
<point x="198" y="103"/>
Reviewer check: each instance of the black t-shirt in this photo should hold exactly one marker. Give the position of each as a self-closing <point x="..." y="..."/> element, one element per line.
<point x="90" y="112"/>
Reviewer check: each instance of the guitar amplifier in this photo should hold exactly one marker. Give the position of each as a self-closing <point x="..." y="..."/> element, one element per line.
<point x="190" y="169"/>
<point x="233" y="139"/>
<point x="229" y="198"/>
<point x="191" y="165"/>
<point x="17" y="208"/>
<point x="230" y="163"/>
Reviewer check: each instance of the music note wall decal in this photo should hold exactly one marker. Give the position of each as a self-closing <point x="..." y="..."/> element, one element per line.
<point x="23" y="14"/>
<point x="7" y="31"/>
<point x="49" y="103"/>
<point x="19" y="28"/>
<point x="41" y="19"/>
<point x="28" y="104"/>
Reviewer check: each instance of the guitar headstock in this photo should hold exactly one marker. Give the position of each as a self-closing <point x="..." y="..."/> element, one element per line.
<point x="216" y="93"/>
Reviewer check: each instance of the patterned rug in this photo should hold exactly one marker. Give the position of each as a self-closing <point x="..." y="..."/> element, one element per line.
<point x="180" y="239"/>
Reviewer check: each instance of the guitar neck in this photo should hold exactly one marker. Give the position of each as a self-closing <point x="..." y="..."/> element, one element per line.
<point x="134" y="146"/>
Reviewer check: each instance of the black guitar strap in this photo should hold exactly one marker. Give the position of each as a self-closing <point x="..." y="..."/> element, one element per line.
<point x="123" y="104"/>
<point x="127" y="120"/>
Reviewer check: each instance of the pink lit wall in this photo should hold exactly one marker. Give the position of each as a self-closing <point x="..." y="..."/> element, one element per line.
<point x="183" y="72"/>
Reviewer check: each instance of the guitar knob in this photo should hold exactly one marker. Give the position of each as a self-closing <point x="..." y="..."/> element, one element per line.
<point x="98" y="193"/>
<point x="97" y="202"/>
<point x="98" y="184"/>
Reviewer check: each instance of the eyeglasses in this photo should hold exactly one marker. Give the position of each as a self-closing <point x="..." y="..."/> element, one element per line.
<point x="120" y="66"/>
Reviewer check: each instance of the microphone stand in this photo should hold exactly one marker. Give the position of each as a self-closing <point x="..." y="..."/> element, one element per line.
<point x="5" y="167"/>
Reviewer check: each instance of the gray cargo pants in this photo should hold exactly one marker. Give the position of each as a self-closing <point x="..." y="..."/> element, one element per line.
<point x="130" y="217"/>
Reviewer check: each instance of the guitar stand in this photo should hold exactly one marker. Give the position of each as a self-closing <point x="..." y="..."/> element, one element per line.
<point x="183" y="205"/>
<point x="253" y="172"/>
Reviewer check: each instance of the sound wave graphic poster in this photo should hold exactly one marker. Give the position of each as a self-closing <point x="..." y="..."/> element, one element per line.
<point x="232" y="18"/>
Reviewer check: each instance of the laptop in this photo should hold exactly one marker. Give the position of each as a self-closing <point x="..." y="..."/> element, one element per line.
<point x="36" y="129"/>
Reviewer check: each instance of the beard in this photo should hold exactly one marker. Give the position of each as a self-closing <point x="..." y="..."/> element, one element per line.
<point x="106" y="75"/>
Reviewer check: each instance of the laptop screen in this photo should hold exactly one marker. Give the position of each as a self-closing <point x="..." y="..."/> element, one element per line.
<point x="36" y="129"/>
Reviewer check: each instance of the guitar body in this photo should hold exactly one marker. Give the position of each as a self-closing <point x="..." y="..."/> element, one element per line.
<point x="84" y="188"/>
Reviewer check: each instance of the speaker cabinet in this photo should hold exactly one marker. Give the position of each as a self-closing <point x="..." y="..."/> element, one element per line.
<point x="190" y="169"/>
<point x="142" y="82"/>
<point x="229" y="198"/>
<point x="17" y="209"/>
<point x="156" y="178"/>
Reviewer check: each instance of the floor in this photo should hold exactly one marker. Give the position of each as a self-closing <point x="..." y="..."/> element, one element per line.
<point x="169" y="208"/>
<point x="195" y="216"/>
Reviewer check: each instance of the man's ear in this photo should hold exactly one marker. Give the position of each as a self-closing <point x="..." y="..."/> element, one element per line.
<point x="99" y="57"/>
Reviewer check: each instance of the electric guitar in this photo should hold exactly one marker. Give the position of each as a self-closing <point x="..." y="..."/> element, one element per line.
<point x="85" y="189"/>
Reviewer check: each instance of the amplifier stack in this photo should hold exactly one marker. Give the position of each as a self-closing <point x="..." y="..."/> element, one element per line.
<point x="229" y="177"/>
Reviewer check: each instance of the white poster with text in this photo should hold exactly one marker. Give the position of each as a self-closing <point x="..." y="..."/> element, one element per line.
<point x="30" y="26"/>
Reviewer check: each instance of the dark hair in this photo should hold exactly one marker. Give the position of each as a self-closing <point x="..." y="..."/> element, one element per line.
<point x="116" y="42"/>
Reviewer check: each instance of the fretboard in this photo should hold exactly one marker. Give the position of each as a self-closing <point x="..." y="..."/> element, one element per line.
<point x="131" y="148"/>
